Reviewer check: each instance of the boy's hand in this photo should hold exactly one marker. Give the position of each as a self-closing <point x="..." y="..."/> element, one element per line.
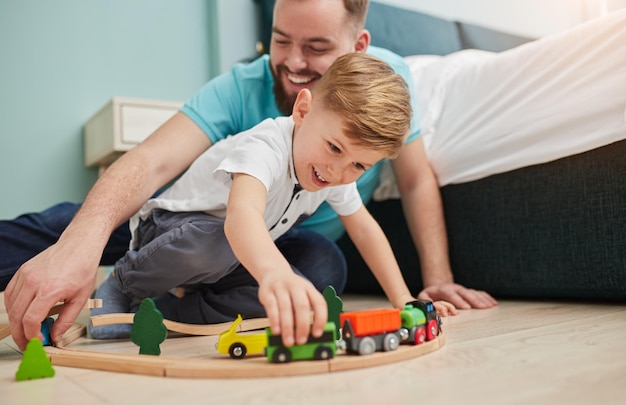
<point x="444" y="308"/>
<point x="288" y="300"/>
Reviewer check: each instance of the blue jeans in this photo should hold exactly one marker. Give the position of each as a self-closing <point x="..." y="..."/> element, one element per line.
<point x="317" y="257"/>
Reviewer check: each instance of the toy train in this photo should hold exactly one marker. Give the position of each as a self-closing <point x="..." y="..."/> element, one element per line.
<point x="237" y="346"/>
<point x="365" y="332"/>
<point x="362" y="332"/>
<point x="315" y="348"/>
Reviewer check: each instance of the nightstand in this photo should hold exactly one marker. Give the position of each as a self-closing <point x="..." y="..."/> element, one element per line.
<point x="121" y="125"/>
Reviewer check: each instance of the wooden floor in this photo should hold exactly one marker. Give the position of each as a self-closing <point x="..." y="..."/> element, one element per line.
<point x="517" y="353"/>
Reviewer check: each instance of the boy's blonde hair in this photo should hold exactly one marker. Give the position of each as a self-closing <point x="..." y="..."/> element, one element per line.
<point x="374" y="101"/>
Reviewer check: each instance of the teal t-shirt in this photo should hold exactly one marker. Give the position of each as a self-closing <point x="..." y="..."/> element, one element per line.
<point x="243" y="97"/>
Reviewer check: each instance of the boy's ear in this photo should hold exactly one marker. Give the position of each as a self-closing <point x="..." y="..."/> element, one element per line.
<point x="302" y="105"/>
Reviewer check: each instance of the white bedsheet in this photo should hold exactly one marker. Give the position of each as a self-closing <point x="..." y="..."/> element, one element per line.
<point x="485" y="113"/>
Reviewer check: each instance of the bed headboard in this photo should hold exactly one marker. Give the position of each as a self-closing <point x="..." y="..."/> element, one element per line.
<point x="408" y="32"/>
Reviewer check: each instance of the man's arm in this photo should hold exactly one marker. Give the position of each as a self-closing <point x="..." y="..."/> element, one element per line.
<point x="423" y="209"/>
<point x="65" y="272"/>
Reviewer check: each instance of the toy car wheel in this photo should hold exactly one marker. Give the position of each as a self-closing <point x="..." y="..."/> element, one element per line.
<point x="390" y="342"/>
<point x="432" y="330"/>
<point x="237" y="351"/>
<point x="367" y="346"/>
<point x="281" y="355"/>
<point x="405" y="334"/>
<point x="420" y="335"/>
<point x="323" y="353"/>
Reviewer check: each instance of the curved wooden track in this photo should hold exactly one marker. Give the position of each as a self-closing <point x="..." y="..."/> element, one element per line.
<point x="5" y="329"/>
<point x="185" y="328"/>
<point x="225" y="367"/>
<point x="218" y="366"/>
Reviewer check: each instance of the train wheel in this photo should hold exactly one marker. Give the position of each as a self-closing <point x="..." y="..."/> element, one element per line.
<point x="237" y="351"/>
<point x="390" y="342"/>
<point x="367" y="345"/>
<point x="405" y="334"/>
<point x="323" y="353"/>
<point x="432" y="330"/>
<point x="420" y="335"/>
<point x="281" y="355"/>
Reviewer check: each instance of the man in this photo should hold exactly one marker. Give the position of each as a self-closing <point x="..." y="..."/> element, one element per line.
<point x="308" y="35"/>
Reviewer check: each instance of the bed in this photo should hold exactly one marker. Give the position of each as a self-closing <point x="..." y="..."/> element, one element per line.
<point x="535" y="213"/>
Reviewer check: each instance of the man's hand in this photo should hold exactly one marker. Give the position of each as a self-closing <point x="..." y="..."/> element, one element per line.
<point x="288" y="301"/>
<point x="459" y="296"/>
<point x="58" y="274"/>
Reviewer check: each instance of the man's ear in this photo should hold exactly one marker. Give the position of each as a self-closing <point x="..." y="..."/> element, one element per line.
<point x="302" y="105"/>
<point x="362" y="41"/>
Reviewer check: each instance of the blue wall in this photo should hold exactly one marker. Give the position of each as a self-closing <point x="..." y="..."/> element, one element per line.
<point x="61" y="60"/>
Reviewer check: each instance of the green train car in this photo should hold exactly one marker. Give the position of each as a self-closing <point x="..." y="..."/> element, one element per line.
<point x="420" y="322"/>
<point x="316" y="348"/>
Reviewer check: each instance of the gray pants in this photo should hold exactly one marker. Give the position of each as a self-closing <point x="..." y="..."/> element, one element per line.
<point x="189" y="250"/>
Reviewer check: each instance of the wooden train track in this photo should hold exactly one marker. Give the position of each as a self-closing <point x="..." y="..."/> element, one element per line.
<point x="185" y="328"/>
<point x="5" y="329"/>
<point x="225" y="367"/>
<point x="213" y="365"/>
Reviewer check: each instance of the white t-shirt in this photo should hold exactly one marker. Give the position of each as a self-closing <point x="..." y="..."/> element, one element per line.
<point x="264" y="152"/>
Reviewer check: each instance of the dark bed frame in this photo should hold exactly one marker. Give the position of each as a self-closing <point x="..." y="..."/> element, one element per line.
<point x="555" y="230"/>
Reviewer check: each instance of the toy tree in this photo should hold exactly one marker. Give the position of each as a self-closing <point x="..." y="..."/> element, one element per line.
<point x="148" y="331"/>
<point x="335" y="306"/>
<point x="35" y="363"/>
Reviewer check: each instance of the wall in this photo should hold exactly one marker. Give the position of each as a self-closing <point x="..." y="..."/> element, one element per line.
<point x="531" y="18"/>
<point x="62" y="60"/>
<point x="238" y="29"/>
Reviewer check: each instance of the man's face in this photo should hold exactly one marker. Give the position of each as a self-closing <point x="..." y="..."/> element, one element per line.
<point x="307" y="37"/>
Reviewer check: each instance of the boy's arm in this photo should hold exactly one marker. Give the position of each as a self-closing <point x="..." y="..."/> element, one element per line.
<point x="66" y="270"/>
<point x="374" y="247"/>
<point x="287" y="297"/>
<point x="423" y="209"/>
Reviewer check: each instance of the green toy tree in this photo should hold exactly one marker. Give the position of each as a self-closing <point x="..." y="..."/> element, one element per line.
<point x="335" y="306"/>
<point x="148" y="331"/>
<point x="35" y="363"/>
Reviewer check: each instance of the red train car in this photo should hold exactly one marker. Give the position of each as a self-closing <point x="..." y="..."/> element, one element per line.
<point x="373" y="330"/>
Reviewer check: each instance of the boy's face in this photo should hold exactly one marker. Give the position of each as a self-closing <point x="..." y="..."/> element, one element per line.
<point x="323" y="155"/>
<point x="307" y="37"/>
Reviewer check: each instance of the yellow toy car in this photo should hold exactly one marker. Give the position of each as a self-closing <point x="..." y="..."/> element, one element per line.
<point x="237" y="346"/>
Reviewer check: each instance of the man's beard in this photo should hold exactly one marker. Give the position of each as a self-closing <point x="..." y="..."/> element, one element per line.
<point x="284" y="100"/>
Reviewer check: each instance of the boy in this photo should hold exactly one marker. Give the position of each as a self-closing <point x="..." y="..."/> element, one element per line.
<point x="225" y="213"/>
